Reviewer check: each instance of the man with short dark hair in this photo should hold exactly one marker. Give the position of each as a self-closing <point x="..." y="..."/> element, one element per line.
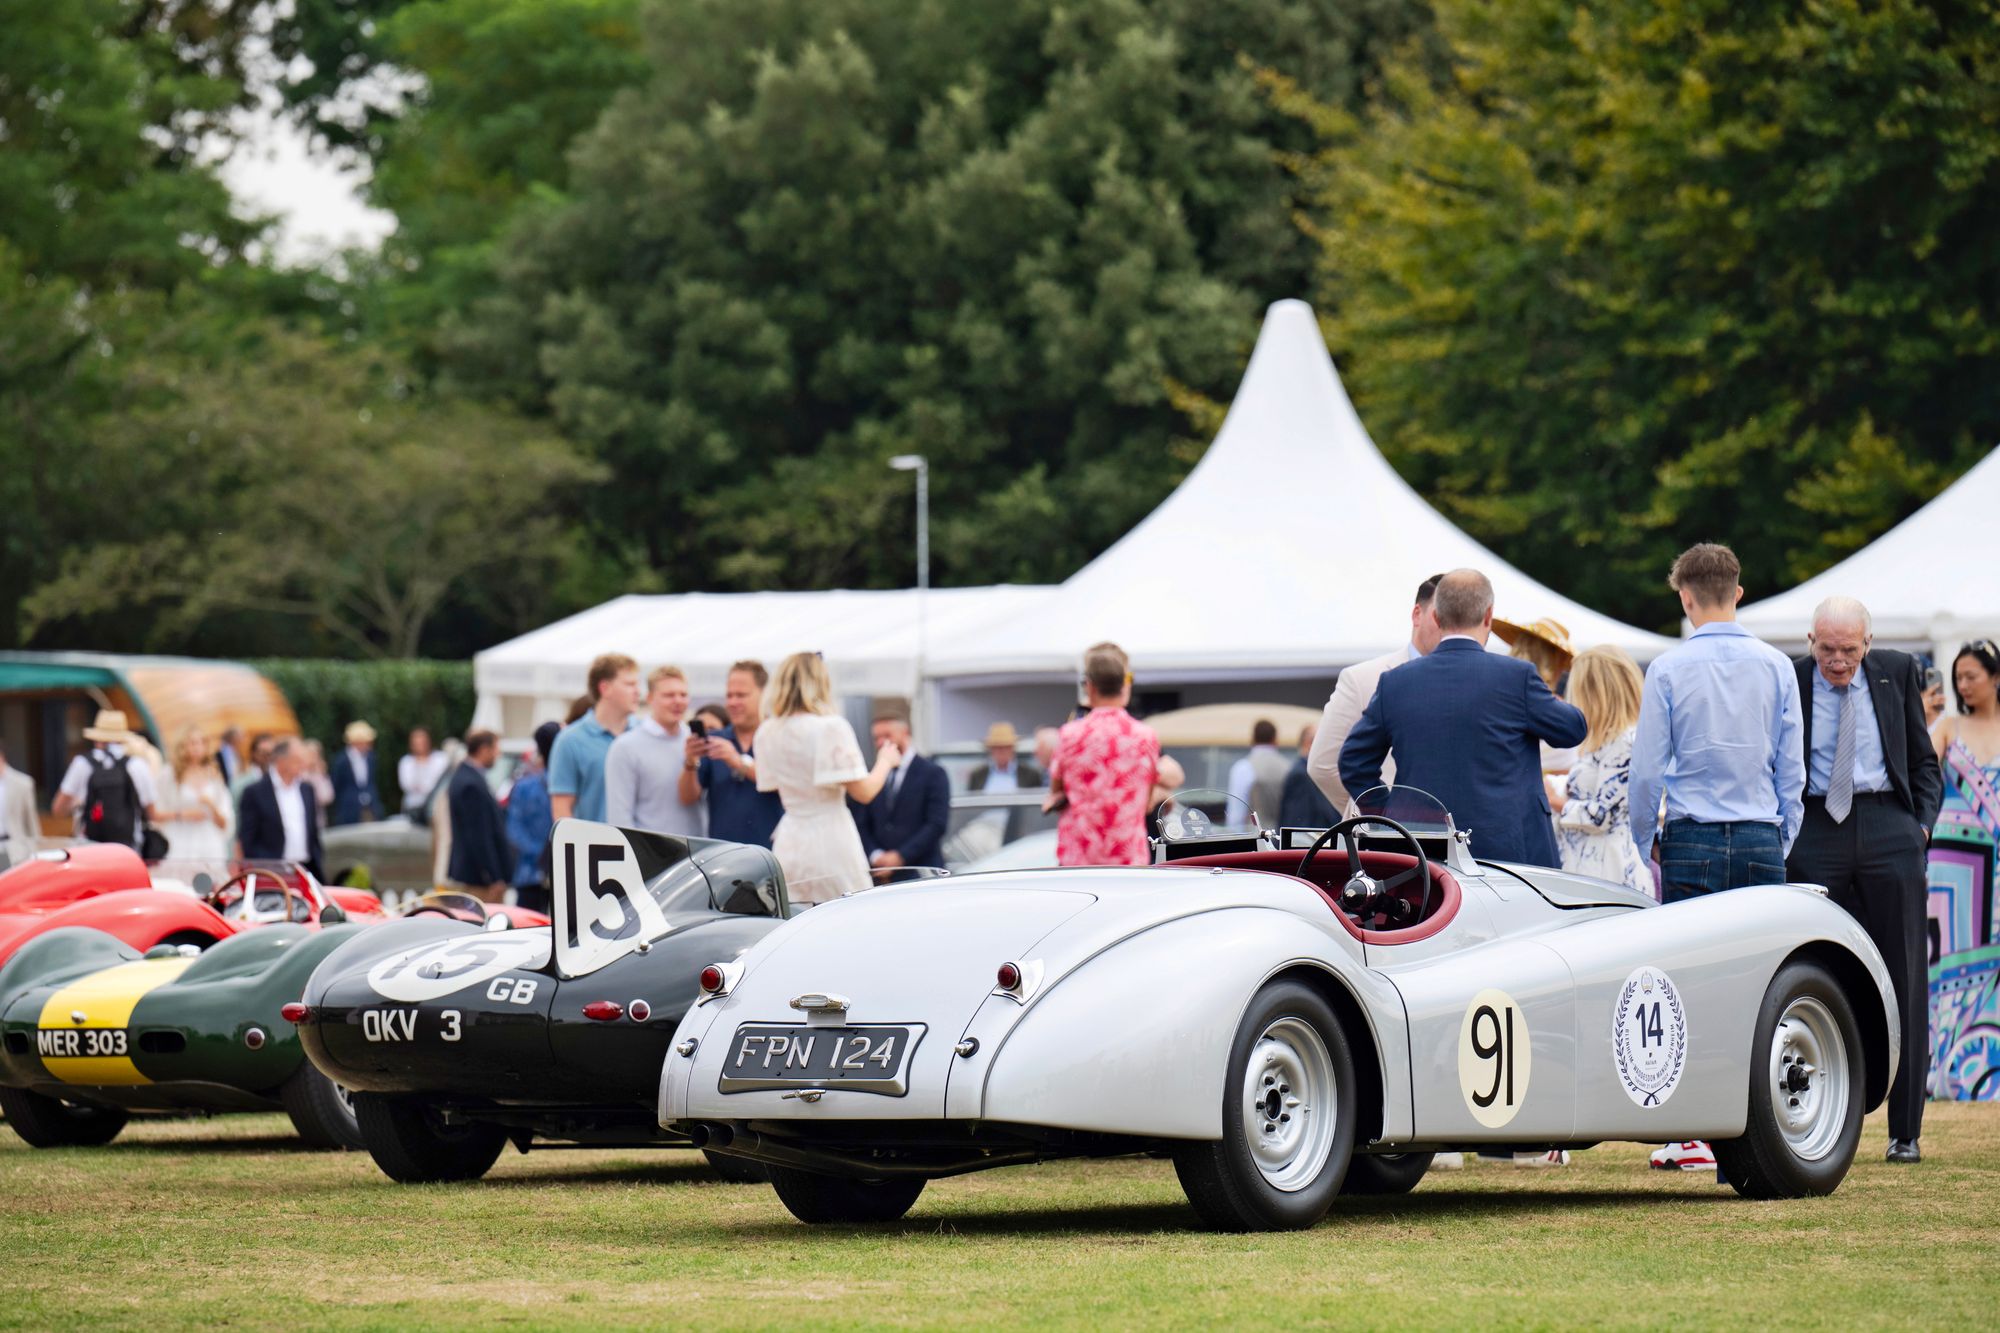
<point x="1721" y="737"/>
<point x="905" y="824"/>
<point x="1352" y="690"/>
<point x="1108" y="770"/>
<point x="482" y="860"/>
<point x="1257" y="780"/>
<point x="576" y="764"/>
<point x="1873" y="787"/>
<point x="1466" y="726"/>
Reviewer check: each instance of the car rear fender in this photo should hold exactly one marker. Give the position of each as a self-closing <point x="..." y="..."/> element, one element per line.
<point x="1136" y="1040"/>
<point x="61" y="955"/>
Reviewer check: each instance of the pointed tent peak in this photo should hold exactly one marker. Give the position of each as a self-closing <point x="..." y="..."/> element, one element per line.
<point x="1291" y="546"/>
<point x="1917" y="579"/>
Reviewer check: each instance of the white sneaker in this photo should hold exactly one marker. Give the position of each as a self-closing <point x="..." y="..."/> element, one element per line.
<point x="1447" y="1161"/>
<point x="1553" y="1157"/>
<point x="1693" y="1155"/>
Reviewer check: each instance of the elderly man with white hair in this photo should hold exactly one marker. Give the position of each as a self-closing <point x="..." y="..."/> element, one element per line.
<point x="1872" y="792"/>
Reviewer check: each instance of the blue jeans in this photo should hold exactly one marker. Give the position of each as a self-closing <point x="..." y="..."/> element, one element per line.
<point x="1698" y="859"/>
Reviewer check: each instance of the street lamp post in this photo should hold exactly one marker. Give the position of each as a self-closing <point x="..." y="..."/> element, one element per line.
<point x="919" y="707"/>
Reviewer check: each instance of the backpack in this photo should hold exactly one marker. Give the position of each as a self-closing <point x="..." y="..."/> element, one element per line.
<point x="110" y="801"/>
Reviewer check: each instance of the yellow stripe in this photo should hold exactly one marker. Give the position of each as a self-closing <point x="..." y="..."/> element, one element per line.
<point x="106" y="1000"/>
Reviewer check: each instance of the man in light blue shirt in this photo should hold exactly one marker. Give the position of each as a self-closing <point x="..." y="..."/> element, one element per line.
<point x="1722" y="736"/>
<point x="576" y="761"/>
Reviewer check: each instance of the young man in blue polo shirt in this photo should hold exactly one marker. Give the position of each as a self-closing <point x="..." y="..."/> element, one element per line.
<point x="576" y="763"/>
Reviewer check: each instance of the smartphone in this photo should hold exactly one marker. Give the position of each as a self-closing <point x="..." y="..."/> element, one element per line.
<point x="699" y="727"/>
<point x="1933" y="678"/>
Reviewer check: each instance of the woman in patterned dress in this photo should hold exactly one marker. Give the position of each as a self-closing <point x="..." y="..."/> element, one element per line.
<point x="1593" y="804"/>
<point x="1965" y="844"/>
<point x="807" y="754"/>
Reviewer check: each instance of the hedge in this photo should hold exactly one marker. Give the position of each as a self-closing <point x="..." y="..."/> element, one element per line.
<point x="391" y="696"/>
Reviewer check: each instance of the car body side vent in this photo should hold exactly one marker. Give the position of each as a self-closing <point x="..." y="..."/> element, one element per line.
<point x="17" y="1043"/>
<point x="163" y="1041"/>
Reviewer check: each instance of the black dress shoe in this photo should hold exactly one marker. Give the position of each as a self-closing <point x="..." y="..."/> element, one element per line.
<point x="1904" y="1151"/>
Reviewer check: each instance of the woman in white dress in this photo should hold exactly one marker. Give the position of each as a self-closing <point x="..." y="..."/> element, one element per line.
<point x="1593" y="802"/>
<point x="807" y="754"/>
<point x="198" y="817"/>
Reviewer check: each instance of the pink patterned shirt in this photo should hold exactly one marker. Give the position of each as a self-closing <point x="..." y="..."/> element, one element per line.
<point x="1108" y="760"/>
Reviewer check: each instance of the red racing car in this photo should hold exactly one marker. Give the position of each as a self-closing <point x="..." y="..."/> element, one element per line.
<point x="109" y="888"/>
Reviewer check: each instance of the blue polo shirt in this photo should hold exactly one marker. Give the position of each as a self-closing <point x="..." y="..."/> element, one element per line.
<point x="737" y="811"/>
<point x="576" y="764"/>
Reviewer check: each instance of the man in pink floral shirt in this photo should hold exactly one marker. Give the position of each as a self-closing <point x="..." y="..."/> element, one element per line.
<point x="1107" y="767"/>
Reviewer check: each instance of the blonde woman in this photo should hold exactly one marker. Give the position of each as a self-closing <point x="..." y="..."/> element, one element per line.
<point x="1593" y="802"/>
<point x="198" y="817"/>
<point x="807" y="754"/>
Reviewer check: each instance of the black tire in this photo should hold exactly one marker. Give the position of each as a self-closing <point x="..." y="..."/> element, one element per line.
<point x="321" y="1113"/>
<point x="45" y="1122"/>
<point x="815" y="1198"/>
<point x="1765" y="1163"/>
<point x="1223" y="1180"/>
<point x="412" y="1145"/>
<point x="736" y="1170"/>
<point x="1385" y="1173"/>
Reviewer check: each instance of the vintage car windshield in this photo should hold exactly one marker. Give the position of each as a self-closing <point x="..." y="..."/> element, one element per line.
<point x="1203" y="814"/>
<point x="1414" y="808"/>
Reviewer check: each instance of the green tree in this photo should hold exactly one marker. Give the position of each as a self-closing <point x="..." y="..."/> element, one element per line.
<point x="828" y="231"/>
<point x="1637" y="273"/>
<point x="292" y="479"/>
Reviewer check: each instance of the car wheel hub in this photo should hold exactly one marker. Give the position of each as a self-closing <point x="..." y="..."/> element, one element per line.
<point x="1286" y="1086"/>
<point x="1809" y="1078"/>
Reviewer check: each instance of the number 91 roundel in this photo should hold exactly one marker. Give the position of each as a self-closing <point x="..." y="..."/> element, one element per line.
<point x="1493" y="1058"/>
<point x="603" y="909"/>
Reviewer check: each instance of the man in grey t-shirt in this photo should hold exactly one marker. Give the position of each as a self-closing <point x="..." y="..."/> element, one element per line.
<point x="642" y="771"/>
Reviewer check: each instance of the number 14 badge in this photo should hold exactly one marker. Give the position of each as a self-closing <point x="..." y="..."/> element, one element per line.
<point x="1649" y="1036"/>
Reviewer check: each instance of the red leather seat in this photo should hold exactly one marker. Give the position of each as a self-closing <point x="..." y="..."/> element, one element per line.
<point x="1330" y="871"/>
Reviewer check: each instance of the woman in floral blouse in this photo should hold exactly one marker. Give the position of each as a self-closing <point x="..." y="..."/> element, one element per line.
<point x="1593" y="806"/>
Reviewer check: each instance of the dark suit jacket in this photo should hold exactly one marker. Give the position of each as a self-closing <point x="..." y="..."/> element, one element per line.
<point x="480" y="852"/>
<point x="1463" y="724"/>
<point x="1026" y="775"/>
<point x="1896" y="689"/>
<point x="261" y="829"/>
<point x="913" y="825"/>
<point x="1303" y="804"/>
<point x="351" y="799"/>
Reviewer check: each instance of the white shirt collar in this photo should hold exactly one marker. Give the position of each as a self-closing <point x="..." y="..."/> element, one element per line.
<point x="653" y="728"/>
<point x="1469" y="638"/>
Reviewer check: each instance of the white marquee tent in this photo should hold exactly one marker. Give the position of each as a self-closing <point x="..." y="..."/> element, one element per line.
<point x="1928" y="582"/>
<point x="870" y="639"/>
<point x="1290" y="551"/>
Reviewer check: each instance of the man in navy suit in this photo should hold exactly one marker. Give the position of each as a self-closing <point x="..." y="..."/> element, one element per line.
<point x="1464" y="724"/>
<point x="905" y="824"/>
<point x="482" y="860"/>
<point x="353" y="772"/>
<point x="278" y="819"/>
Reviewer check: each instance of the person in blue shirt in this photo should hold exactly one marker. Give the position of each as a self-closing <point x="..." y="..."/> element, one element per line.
<point x="529" y="823"/>
<point x="576" y="762"/>
<point x="723" y="765"/>
<point x="1721" y="736"/>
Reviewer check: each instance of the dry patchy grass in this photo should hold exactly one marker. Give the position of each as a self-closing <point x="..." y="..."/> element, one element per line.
<point x="228" y="1223"/>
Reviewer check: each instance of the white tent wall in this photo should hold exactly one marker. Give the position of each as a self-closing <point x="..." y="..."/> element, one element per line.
<point x="870" y="640"/>
<point x="966" y="707"/>
<point x="1291" y="550"/>
<point x="1927" y="582"/>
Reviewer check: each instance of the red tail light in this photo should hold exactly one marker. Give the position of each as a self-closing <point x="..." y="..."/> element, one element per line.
<point x="1010" y="976"/>
<point x="604" y="1011"/>
<point x="295" y="1012"/>
<point x="711" y="980"/>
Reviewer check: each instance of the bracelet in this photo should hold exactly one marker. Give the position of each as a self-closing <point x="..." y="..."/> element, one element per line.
<point x="690" y="765"/>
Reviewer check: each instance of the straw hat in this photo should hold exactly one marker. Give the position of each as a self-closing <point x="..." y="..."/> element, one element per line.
<point x="359" y="733"/>
<point x="111" y="727"/>
<point x="1550" y="632"/>
<point x="1001" y="734"/>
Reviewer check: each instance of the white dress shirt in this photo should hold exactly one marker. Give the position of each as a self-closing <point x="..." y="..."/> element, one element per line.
<point x="292" y="810"/>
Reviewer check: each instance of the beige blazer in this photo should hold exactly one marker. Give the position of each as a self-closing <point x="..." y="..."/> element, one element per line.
<point x="17" y="817"/>
<point x="1351" y="693"/>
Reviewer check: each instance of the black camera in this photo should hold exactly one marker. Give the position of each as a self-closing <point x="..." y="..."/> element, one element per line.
<point x="699" y="728"/>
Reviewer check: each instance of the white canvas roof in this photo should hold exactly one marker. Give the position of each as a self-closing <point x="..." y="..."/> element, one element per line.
<point x="869" y="639"/>
<point x="1930" y="580"/>
<point x="1292" y="547"/>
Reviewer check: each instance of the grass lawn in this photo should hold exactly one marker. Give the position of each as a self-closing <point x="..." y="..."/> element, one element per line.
<point x="227" y="1223"/>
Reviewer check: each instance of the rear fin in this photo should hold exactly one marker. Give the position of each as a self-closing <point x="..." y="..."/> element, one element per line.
<point x="604" y="908"/>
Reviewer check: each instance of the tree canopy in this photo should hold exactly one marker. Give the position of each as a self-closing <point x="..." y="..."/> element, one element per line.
<point x="1638" y="273"/>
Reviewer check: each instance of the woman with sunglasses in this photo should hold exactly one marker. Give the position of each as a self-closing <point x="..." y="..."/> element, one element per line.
<point x="1968" y="824"/>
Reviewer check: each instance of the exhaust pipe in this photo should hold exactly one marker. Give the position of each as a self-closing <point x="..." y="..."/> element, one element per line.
<point x="701" y="1134"/>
